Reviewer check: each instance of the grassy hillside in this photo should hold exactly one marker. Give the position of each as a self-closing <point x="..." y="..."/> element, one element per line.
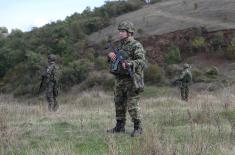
<point x="171" y="15"/>
<point x="205" y="125"/>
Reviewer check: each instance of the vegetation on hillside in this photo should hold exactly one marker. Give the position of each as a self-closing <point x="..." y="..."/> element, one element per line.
<point x="23" y="55"/>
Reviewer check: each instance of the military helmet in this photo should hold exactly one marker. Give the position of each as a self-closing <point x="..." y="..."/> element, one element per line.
<point x="126" y="25"/>
<point x="186" y="65"/>
<point x="51" y="57"/>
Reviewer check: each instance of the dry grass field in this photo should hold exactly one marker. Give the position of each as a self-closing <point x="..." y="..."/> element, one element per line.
<point x="204" y="125"/>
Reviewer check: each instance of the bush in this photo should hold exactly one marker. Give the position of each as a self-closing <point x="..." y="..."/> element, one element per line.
<point x="103" y="80"/>
<point x="154" y="74"/>
<point x="212" y="72"/>
<point x="198" y="75"/>
<point x="101" y="63"/>
<point x="140" y="31"/>
<point x="217" y="41"/>
<point x="230" y="51"/>
<point x="198" y="44"/>
<point x="173" y="55"/>
<point x="76" y="72"/>
<point x="172" y="70"/>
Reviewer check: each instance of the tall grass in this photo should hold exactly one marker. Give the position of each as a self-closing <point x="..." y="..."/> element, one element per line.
<point x="204" y="125"/>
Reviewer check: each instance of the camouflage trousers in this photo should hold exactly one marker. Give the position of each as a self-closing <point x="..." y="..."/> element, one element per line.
<point x="126" y="98"/>
<point x="184" y="91"/>
<point x="51" y="94"/>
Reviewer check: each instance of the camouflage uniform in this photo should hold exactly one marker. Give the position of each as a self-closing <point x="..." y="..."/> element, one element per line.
<point x="51" y="76"/>
<point x="127" y="89"/>
<point x="185" y="78"/>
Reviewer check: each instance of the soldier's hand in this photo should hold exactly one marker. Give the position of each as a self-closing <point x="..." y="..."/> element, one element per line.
<point x="112" y="56"/>
<point x="125" y="65"/>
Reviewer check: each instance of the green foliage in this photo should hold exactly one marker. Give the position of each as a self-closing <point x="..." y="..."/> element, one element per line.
<point x="115" y="8"/>
<point x="230" y="51"/>
<point x="173" y="70"/>
<point x="199" y="44"/>
<point x="75" y="72"/>
<point x="217" y="41"/>
<point x="101" y="63"/>
<point x="102" y="80"/>
<point x="233" y="42"/>
<point x="140" y="31"/>
<point x="173" y="55"/>
<point x="212" y="72"/>
<point x="93" y="24"/>
<point x="90" y="54"/>
<point x="229" y="115"/>
<point x="22" y="54"/>
<point x="197" y="75"/>
<point x="154" y="74"/>
<point x="3" y="30"/>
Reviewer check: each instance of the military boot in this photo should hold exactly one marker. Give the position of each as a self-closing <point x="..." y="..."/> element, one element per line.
<point x="55" y="106"/>
<point x="120" y="127"/>
<point x="137" y="128"/>
<point x="50" y="106"/>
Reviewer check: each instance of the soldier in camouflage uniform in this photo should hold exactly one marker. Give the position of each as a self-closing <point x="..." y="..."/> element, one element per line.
<point x="185" y="78"/>
<point x="51" y="76"/>
<point x="127" y="89"/>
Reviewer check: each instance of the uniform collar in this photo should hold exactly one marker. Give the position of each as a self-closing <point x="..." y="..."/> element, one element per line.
<point x="51" y="63"/>
<point x="127" y="40"/>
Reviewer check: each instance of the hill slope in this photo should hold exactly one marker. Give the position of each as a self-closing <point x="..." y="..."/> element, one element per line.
<point x="171" y="15"/>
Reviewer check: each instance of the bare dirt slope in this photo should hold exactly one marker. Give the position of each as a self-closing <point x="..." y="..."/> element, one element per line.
<point x="172" y="15"/>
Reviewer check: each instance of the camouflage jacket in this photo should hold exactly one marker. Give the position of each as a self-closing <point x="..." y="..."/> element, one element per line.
<point x="51" y="73"/>
<point x="186" y="76"/>
<point x="134" y="53"/>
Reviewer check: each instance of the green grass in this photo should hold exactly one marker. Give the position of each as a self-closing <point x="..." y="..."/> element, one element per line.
<point x="151" y="91"/>
<point x="170" y="126"/>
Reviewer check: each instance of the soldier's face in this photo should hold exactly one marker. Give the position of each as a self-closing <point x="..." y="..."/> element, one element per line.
<point x="122" y="34"/>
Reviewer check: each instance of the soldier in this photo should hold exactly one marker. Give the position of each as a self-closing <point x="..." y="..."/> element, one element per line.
<point x="185" y="79"/>
<point x="51" y="78"/>
<point x="128" y="88"/>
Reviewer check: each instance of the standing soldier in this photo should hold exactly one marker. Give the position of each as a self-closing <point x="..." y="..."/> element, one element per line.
<point x="185" y="79"/>
<point x="128" y="87"/>
<point x="51" y="78"/>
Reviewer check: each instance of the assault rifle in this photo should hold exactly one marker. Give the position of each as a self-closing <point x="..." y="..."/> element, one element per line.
<point x="119" y="59"/>
<point x="176" y="82"/>
<point x="41" y="84"/>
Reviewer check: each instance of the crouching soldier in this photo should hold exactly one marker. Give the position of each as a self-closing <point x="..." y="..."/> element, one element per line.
<point x="129" y="83"/>
<point x="51" y="78"/>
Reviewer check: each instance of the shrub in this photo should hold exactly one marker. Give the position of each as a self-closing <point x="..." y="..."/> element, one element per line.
<point x="103" y="80"/>
<point x="197" y="75"/>
<point x="101" y="63"/>
<point x="212" y="72"/>
<point x="154" y="74"/>
<point x="230" y="51"/>
<point x="198" y="44"/>
<point x="89" y="54"/>
<point x="76" y="72"/>
<point x="140" y="31"/>
<point x="172" y="70"/>
<point x="173" y="55"/>
<point x="217" y="41"/>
